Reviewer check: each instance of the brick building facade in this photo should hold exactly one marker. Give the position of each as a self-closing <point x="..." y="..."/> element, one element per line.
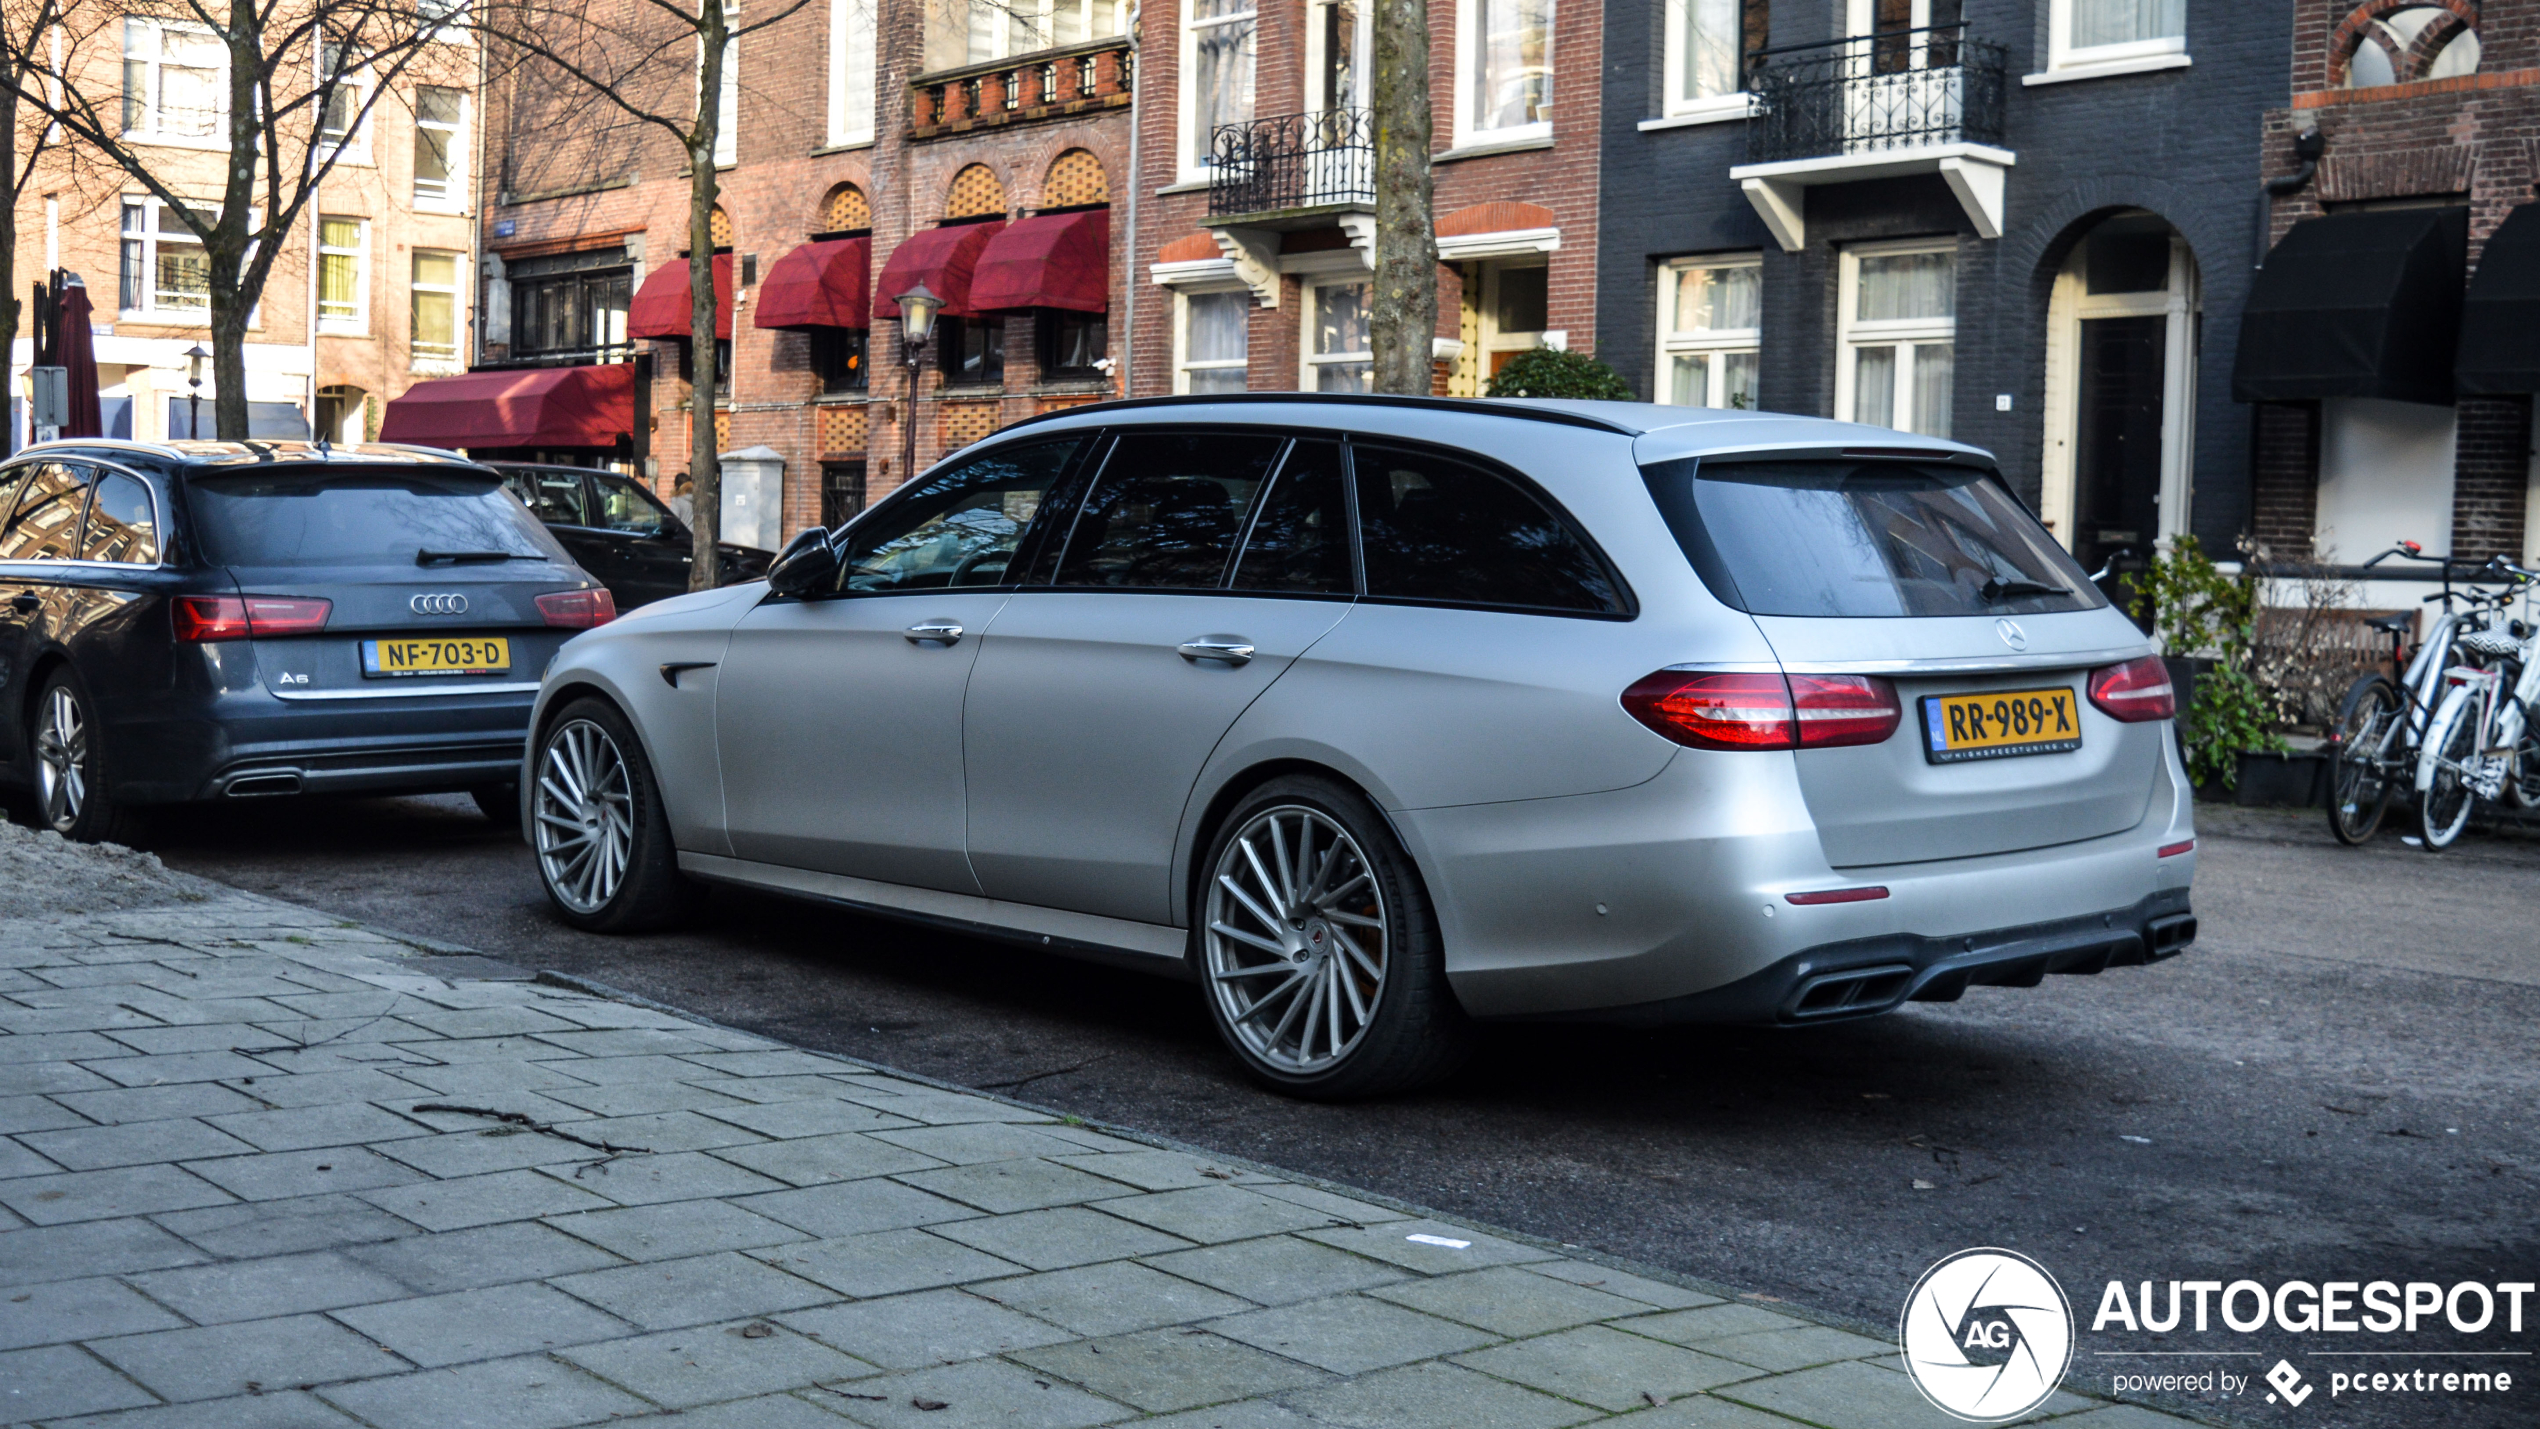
<point x="2417" y="105"/>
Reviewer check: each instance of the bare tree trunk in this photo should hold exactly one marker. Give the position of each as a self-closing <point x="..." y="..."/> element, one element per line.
<point x="1404" y="315"/>
<point x="703" y="468"/>
<point x="230" y="308"/>
<point x="9" y="240"/>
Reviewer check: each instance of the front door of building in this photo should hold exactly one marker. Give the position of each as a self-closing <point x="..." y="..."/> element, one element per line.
<point x="2117" y="447"/>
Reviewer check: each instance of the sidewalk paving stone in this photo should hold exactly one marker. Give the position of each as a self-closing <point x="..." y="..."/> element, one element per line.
<point x="670" y="1294"/>
<point x="706" y="1363"/>
<point x="531" y="1392"/>
<point x="1167" y="1369"/>
<point x="1058" y="1238"/>
<point x="1435" y="1393"/>
<point x="493" y="1323"/>
<point x="66" y="1310"/>
<point x="926" y="1328"/>
<point x="677" y="1230"/>
<point x="218" y="1361"/>
<point x="1351" y="1334"/>
<point x="1111" y="1299"/>
<point x="801" y="1241"/>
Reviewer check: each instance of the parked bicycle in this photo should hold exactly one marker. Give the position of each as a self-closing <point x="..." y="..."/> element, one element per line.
<point x="2481" y="744"/>
<point x="2384" y="721"/>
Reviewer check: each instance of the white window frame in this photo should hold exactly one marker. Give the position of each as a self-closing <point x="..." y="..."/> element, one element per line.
<point x="1468" y="70"/>
<point x="727" y="129"/>
<point x="953" y="36"/>
<point x="153" y="209"/>
<point x="1904" y="334"/>
<point x="455" y="200"/>
<point x="1680" y="105"/>
<point x="851" y="71"/>
<point x="416" y="358"/>
<point x="154" y="132"/>
<point x="1194" y="141"/>
<point x="2061" y="55"/>
<point x="1714" y="343"/>
<point x="1183" y="366"/>
<point x="1309" y="362"/>
<point x="1491" y="338"/>
<point x="1362" y="50"/>
<point x="356" y="83"/>
<point x="358" y="325"/>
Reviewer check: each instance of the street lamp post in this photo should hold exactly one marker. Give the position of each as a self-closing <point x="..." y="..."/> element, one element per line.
<point x="918" y="307"/>
<point x="194" y="379"/>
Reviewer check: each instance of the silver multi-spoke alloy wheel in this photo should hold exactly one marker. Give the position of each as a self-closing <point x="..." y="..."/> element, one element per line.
<point x="61" y="758"/>
<point x="586" y="816"/>
<point x="1297" y="939"/>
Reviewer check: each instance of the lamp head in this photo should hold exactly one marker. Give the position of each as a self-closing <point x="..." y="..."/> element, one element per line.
<point x="194" y="364"/>
<point x="918" y="307"/>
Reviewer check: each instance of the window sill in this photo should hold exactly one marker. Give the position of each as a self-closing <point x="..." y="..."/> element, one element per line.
<point x="843" y="146"/>
<point x="975" y="390"/>
<point x="208" y="143"/>
<point x="1708" y="111"/>
<point x="1483" y="149"/>
<point x="2105" y="69"/>
<point x="1186" y="186"/>
<point x="841" y="399"/>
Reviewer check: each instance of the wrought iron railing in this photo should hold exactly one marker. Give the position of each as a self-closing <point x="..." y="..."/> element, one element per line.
<point x="1292" y="161"/>
<point x="1902" y="90"/>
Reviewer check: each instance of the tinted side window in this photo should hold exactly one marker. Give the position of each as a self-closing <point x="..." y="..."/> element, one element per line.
<point x="958" y="527"/>
<point x="1166" y="510"/>
<point x="618" y="504"/>
<point x="1300" y="538"/>
<point x="122" y="525"/>
<point x="1434" y="528"/>
<point x="554" y="497"/>
<point x="45" y="525"/>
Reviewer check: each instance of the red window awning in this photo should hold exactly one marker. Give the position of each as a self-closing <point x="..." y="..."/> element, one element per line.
<point x="660" y="308"/>
<point x="819" y="285"/>
<point x="1055" y="260"/>
<point x="941" y="258"/>
<point x="531" y="407"/>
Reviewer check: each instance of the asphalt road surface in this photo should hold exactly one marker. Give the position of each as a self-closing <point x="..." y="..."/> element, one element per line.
<point x="2336" y="1084"/>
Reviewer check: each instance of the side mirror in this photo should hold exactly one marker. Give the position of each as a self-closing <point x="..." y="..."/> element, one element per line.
<point x="808" y="565"/>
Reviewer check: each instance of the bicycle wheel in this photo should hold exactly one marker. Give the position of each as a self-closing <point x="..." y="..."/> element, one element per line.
<point x="2360" y="786"/>
<point x="2522" y="781"/>
<point x="2445" y="807"/>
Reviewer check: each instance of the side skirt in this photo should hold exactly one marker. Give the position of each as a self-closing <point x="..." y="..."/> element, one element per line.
<point x="1120" y="942"/>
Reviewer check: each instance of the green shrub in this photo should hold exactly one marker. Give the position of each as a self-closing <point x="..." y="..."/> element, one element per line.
<point x="2201" y="613"/>
<point x="1550" y="372"/>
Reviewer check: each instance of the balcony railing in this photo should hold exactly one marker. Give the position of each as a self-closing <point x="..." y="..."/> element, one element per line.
<point x="1292" y="161"/>
<point x="1906" y="89"/>
<point x="1047" y="84"/>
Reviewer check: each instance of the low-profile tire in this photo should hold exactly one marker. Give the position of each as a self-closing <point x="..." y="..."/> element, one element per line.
<point x="499" y="803"/>
<point x="67" y="755"/>
<point x="1317" y="949"/>
<point x="2359" y="783"/>
<point x="601" y="836"/>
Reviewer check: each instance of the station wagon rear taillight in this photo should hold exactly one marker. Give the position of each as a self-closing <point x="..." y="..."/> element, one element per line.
<point x="204" y="618"/>
<point x="578" y="609"/>
<point x="1753" y="710"/>
<point x="2135" y="691"/>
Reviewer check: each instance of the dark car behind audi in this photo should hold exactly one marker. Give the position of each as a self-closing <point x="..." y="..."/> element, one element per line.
<point x="204" y="620"/>
<point x="622" y="533"/>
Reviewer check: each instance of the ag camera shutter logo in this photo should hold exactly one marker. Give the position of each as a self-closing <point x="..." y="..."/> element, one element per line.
<point x="1987" y="1335"/>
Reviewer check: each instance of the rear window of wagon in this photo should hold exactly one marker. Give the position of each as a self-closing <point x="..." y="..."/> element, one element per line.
<point x="340" y="517"/>
<point x="1864" y="538"/>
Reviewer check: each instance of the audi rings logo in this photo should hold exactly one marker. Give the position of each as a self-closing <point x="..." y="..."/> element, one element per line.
<point x="442" y="603"/>
<point x="1987" y="1335"/>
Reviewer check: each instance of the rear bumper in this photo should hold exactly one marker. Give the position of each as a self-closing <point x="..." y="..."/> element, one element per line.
<point x="1864" y="977"/>
<point x="244" y="743"/>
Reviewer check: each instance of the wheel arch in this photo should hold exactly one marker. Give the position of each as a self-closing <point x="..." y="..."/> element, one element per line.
<point x="1231" y="791"/>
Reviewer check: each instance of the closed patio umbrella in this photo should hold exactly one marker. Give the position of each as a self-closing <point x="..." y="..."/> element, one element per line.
<point x="75" y="348"/>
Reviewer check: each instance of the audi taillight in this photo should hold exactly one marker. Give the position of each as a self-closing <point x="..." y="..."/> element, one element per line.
<point x="204" y="618"/>
<point x="1747" y="710"/>
<point x="578" y="609"/>
<point x="2135" y="691"/>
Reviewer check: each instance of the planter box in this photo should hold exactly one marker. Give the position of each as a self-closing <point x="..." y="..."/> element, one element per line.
<point x="2297" y="781"/>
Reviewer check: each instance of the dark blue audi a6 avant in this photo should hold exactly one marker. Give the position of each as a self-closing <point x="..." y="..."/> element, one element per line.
<point x="206" y="620"/>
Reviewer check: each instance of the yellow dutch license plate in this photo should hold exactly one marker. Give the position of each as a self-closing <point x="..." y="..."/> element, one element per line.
<point x="1958" y="728"/>
<point x="441" y="655"/>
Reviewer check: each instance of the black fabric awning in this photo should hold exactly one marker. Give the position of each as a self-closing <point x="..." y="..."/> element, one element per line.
<point x="2356" y="305"/>
<point x="2500" y="320"/>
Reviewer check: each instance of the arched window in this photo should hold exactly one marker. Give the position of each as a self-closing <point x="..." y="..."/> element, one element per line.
<point x="1075" y="180"/>
<point x="719" y="227"/>
<point x="975" y="193"/>
<point x="845" y="210"/>
<point x="2382" y="43"/>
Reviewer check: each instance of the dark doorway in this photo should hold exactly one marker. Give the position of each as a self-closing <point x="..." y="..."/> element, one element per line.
<point x="2117" y="457"/>
<point x="841" y="491"/>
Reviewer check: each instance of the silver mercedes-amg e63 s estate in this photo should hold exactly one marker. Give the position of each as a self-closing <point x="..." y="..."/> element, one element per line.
<point x="1375" y="716"/>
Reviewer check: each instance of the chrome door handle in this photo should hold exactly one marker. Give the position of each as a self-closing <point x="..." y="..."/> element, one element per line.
<point x="947" y="631"/>
<point x="1233" y="649"/>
